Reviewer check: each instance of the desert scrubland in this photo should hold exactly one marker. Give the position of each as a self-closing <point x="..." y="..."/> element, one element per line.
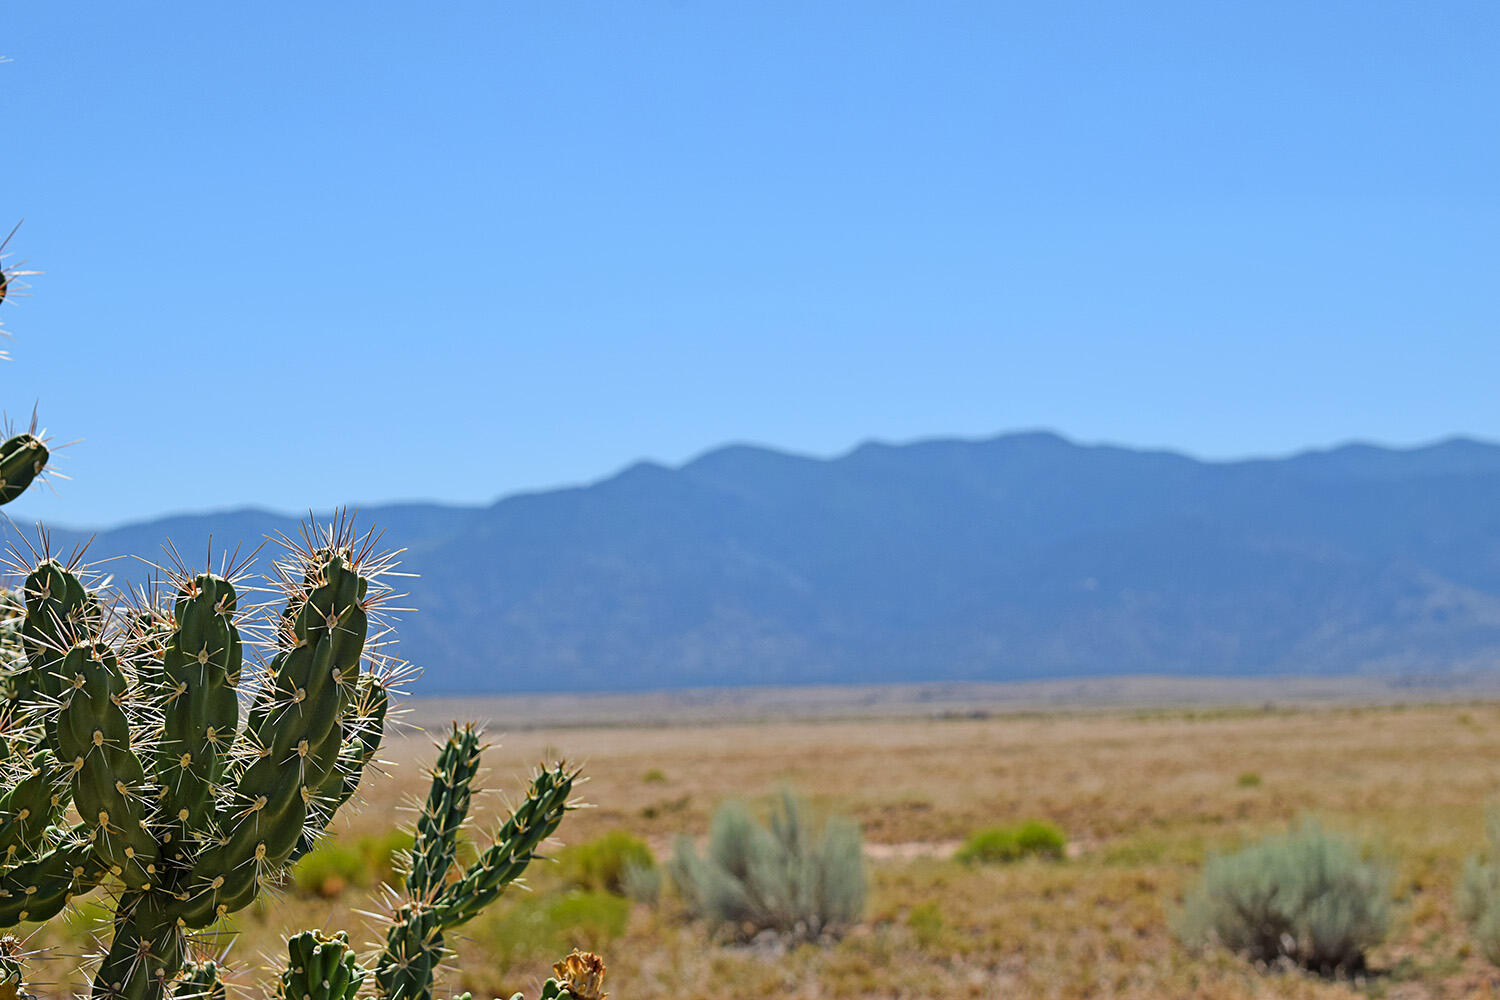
<point x="1144" y="795"/>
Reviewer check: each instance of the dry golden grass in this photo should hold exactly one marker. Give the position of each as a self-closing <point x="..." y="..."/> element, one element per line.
<point x="1145" y="795"/>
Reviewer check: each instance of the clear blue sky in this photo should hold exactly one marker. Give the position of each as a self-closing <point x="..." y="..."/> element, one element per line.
<point x="306" y="253"/>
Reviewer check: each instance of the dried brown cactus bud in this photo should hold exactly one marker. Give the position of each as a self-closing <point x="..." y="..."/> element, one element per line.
<point x="582" y="973"/>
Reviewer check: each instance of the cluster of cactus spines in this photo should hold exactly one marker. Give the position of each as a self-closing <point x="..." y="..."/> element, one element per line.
<point x="11" y="285"/>
<point x="12" y="970"/>
<point x="434" y="903"/>
<point x="320" y="968"/>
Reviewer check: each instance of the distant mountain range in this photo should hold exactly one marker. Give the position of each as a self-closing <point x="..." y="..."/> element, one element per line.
<point x="1021" y="556"/>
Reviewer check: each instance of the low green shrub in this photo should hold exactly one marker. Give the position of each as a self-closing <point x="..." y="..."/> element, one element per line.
<point x="1304" y="896"/>
<point x="926" y="923"/>
<point x="328" y="869"/>
<point x="540" y="926"/>
<point x="336" y="865"/>
<point x="1000" y="844"/>
<point x="1042" y="840"/>
<point x="655" y="776"/>
<point x="1250" y="779"/>
<point x="384" y="855"/>
<point x="781" y="878"/>
<point x="600" y="864"/>
<point x="1479" y="892"/>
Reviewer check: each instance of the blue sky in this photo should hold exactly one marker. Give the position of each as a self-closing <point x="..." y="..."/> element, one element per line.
<point x="302" y="254"/>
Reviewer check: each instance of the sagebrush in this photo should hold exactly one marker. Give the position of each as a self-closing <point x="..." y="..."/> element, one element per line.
<point x="780" y="878"/>
<point x="1305" y="896"/>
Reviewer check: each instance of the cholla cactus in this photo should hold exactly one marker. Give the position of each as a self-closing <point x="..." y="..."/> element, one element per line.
<point x="435" y="904"/>
<point x="185" y="812"/>
<point x="130" y="711"/>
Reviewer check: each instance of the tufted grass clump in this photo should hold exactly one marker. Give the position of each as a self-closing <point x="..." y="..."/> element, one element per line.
<point x="1305" y="896"/>
<point x="781" y="878"/>
<point x="1000" y="844"/>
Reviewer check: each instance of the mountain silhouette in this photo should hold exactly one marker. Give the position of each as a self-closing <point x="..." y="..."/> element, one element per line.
<point x="1020" y="556"/>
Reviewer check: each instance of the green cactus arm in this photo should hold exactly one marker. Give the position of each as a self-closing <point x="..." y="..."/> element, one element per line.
<point x="414" y="948"/>
<point x="436" y="842"/>
<point x="199" y="981"/>
<point x="12" y="656"/>
<point x="414" y="941"/>
<point x="29" y="807"/>
<point x="38" y="889"/>
<point x="320" y="968"/>
<point x="59" y="613"/>
<point x="22" y="459"/>
<point x="201" y="662"/>
<point x="148" y="950"/>
<point x="363" y="731"/>
<point x="533" y="821"/>
<point x="109" y="781"/>
<point x="143" y="649"/>
<point x="56" y="609"/>
<point x="296" y="739"/>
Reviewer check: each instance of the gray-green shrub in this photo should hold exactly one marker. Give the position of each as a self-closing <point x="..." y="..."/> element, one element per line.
<point x="779" y="877"/>
<point x="1305" y="896"/>
<point x="1479" y="892"/>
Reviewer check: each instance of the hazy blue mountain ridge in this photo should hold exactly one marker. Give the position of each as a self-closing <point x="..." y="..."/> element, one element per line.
<point x="1018" y="556"/>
